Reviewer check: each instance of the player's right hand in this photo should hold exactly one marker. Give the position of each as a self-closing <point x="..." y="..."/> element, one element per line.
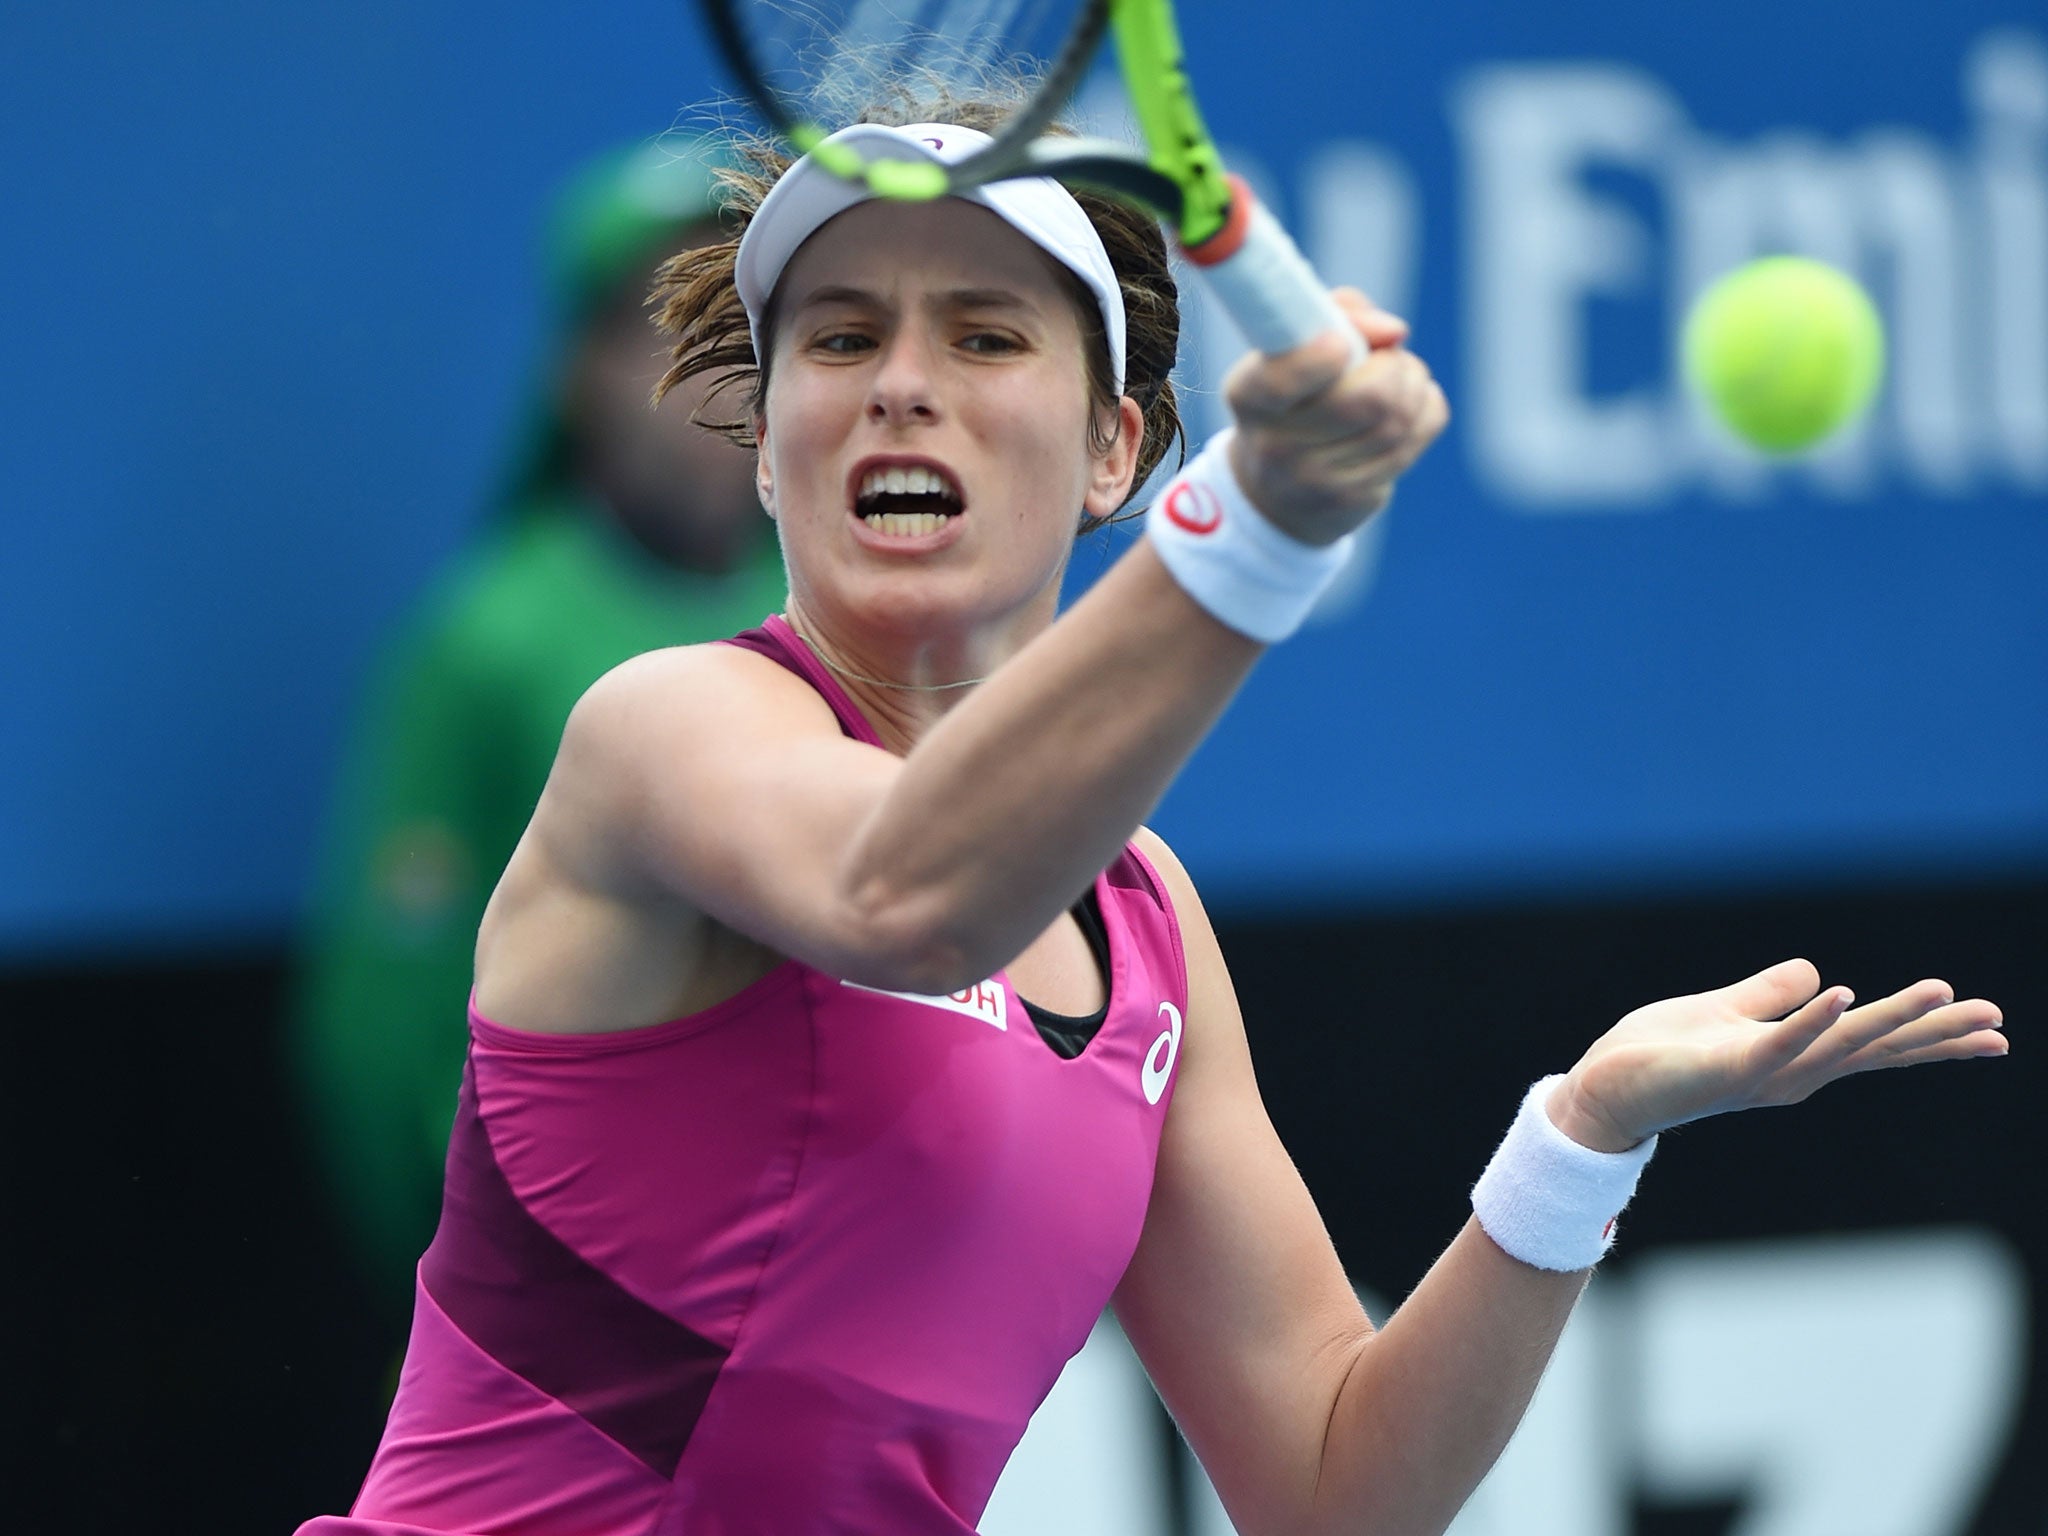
<point x="1321" y="439"/>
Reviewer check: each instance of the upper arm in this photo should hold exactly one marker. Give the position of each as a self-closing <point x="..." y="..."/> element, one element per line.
<point x="1236" y="1300"/>
<point x="709" y="775"/>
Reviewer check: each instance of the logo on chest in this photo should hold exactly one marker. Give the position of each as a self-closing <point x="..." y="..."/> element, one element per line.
<point x="1159" y="1060"/>
<point x="985" y="1000"/>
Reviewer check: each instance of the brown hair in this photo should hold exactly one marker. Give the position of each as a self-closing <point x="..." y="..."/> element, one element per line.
<point x="696" y="302"/>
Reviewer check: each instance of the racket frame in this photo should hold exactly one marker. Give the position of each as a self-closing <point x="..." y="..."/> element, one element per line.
<point x="1241" y="250"/>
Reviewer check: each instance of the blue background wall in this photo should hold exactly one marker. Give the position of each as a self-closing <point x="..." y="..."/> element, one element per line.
<point x="271" y="307"/>
<point x="272" y="304"/>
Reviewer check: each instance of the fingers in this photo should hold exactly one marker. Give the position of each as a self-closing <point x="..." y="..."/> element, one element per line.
<point x="1915" y="1024"/>
<point x="1876" y="1022"/>
<point x="1381" y="328"/>
<point x="1920" y="1024"/>
<point x="1261" y="389"/>
<point x="1795" y="1037"/>
<point x="1971" y="1047"/>
<point x="1323" y="434"/>
<point x="1319" y="446"/>
<point x="1775" y="991"/>
<point x="1275" y="391"/>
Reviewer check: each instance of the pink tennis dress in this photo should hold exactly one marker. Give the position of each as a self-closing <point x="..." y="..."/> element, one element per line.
<point x="803" y="1262"/>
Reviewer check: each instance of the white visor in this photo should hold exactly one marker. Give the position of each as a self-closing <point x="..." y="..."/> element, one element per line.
<point x="1037" y="207"/>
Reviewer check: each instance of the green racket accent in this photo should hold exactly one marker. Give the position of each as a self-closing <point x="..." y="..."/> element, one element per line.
<point x="836" y="158"/>
<point x="907" y="181"/>
<point x="901" y="181"/>
<point x="1148" y="49"/>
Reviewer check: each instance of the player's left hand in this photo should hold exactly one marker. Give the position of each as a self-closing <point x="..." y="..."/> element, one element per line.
<point x="1775" y="1038"/>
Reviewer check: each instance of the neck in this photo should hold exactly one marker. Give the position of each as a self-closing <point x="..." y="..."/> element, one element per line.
<point x="902" y="691"/>
<point x="879" y="682"/>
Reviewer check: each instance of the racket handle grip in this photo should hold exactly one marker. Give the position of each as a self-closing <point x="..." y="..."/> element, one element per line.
<point x="1254" y="267"/>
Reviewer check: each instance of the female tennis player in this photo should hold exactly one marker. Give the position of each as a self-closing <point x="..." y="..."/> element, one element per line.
<point x="841" y="1042"/>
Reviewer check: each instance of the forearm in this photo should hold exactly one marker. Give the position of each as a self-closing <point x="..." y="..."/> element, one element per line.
<point x="1021" y="794"/>
<point x="1431" y="1399"/>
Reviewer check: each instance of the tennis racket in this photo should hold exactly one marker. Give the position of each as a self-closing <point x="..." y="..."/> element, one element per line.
<point x="780" y="52"/>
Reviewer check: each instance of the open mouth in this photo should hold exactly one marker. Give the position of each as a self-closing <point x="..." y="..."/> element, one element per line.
<point x="907" y="500"/>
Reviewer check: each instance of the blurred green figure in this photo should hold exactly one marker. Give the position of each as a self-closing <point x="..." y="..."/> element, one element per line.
<point x="621" y="530"/>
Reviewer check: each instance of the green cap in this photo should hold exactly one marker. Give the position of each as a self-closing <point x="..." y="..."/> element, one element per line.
<point x="613" y="216"/>
<point x="617" y="212"/>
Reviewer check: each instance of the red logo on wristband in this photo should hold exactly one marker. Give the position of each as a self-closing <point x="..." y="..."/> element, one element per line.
<point x="1194" y="507"/>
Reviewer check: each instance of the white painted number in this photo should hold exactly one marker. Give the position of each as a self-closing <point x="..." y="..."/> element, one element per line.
<point x="1866" y="1384"/>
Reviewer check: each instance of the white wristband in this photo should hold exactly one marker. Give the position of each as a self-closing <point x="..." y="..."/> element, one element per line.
<point x="1227" y="557"/>
<point x="1548" y="1201"/>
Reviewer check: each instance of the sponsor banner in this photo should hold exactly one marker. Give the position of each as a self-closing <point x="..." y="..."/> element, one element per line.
<point x="1595" y="642"/>
<point x="1592" y="643"/>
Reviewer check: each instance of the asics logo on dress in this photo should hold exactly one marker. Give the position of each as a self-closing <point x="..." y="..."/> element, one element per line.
<point x="1159" y="1060"/>
<point x="985" y="1000"/>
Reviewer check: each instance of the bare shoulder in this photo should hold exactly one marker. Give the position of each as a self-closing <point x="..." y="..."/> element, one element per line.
<point x="714" y="777"/>
<point x="615" y="910"/>
<point x="655" y="738"/>
<point x="735" y="688"/>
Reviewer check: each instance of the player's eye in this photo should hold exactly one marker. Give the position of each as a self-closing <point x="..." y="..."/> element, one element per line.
<point x="842" y="343"/>
<point x="991" y="343"/>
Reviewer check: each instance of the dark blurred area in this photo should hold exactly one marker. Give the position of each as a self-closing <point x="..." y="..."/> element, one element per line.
<point x="198" y="1347"/>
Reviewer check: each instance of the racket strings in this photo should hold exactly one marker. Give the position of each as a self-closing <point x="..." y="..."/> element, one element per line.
<point x="826" y="60"/>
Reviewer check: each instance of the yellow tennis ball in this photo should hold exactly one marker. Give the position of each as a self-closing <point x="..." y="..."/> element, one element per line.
<point x="1786" y="350"/>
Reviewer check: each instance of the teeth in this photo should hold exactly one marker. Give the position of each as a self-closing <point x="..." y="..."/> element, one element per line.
<point x="906" y="525"/>
<point x="914" y="480"/>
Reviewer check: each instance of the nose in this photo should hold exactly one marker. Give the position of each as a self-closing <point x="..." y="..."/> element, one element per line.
<point x="902" y="391"/>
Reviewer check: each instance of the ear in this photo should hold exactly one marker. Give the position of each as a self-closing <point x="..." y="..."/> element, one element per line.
<point x="1109" y="483"/>
<point x="764" y="477"/>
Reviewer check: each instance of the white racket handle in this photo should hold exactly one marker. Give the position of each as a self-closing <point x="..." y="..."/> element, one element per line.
<point x="1262" y="278"/>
